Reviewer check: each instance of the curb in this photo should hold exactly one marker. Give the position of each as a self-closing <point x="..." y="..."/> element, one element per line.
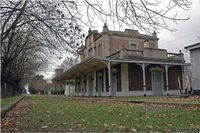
<point x="10" y="107"/>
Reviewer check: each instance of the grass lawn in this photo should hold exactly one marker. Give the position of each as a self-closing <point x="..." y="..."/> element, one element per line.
<point x="59" y="114"/>
<point x="7" y="101"/>
<point x="163" y="99"/>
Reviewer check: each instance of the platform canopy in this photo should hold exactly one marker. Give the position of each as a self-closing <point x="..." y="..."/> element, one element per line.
<point x="96" y="63"/>
<point x="85" y="67"/>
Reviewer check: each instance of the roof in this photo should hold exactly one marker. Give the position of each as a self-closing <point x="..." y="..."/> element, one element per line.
<point x="96" y="63"/>
<point x="86" y="66"/>
<point x="194" y="46"/>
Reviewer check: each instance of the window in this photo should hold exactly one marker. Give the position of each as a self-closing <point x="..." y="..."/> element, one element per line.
<point x="99" y="50"/>
<point x="133" y="46"/>
<point x="90" y="52"/>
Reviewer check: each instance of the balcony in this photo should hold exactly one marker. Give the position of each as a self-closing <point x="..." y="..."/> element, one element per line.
<point x="149" y="54"/>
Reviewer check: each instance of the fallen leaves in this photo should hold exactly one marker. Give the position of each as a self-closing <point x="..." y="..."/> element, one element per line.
<point x="106" y="125"/>
<point x="44" y="126"/>
<point x="149" y="127"/>
<point x="79" y="125"/>
<point x="133" y="130"/>
<point x="10" y="122"/>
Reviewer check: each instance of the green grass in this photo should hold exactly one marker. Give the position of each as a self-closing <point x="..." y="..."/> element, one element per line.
<point x="59" y="114"/>
<point x="162" y="99"/>
<point x="7" y="101"/>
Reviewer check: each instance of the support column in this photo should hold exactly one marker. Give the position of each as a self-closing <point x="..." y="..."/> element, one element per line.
<point x="104" y="80"/>
<point x="69" y="88"/>
<point x="109" y="79"/>
<point x="94" y="85"/>
<point x="74" y="87"/>
<point x="166" y="74"/>
<point x="83" y="85"/>
<point x="87" y="84"/>
<point x="78" y="86"/>
<point x="144" y="79"/>
<point x="183" y="74"/>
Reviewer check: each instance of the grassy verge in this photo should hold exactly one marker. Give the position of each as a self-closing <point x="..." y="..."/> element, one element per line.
<point x="163" y="99"/>
<point x="59" y="114"/>
<point x="7" y="101"/>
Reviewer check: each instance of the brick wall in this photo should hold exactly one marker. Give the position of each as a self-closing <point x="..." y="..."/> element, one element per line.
<point x="135" y="77"/>
<point x="173" y="73"/>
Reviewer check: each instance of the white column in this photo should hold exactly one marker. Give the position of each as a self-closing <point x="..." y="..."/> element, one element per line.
<point x="124" y="77"/>
<point x="167" y="82"/>
<point x="94" y="85"/>
<point x="183" y="74"/>
<point x="144" y="78"/>
<point x="100" y="80"/>
<point x="78" y="86"/>
<point x="109" y="79"/>
<point x="83" y="85"/>
<point x="69" y="88"/>
<point x="87" y="86"/>
<point x="104" y="80"/>
<point x="74" y="87"/>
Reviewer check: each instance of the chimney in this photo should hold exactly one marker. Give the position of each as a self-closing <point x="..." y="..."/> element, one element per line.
<point x="89" y="31"/>
<point x="58" y="71"/>
<point x="154" y="34"/>
<point x="105" y="27"/>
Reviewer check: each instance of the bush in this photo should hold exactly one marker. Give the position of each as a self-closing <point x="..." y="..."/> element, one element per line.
<point x="32" y="90"/>
<point x="57" y="91"/>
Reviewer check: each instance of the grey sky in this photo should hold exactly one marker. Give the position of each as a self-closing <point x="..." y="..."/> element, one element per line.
<point x="188" y="32"/>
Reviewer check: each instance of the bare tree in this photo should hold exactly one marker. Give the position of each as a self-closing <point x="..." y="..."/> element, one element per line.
<point x="69" y="62"/>
<point x="39" y="84"/>
<point x="144" y="15"/>
<point x="33" y="31"/>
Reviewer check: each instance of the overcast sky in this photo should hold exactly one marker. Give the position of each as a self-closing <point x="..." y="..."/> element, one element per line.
<point x="188" y="32"/>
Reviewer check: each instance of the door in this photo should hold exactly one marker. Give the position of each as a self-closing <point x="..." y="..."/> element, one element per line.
<point x="91" y="85"/>
<point x="113" y="84"/>
<point x="99" y="85"/>
<point x="157" y="86"/>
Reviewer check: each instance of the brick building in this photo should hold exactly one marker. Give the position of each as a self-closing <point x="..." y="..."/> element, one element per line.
<point x="115" y="63"/>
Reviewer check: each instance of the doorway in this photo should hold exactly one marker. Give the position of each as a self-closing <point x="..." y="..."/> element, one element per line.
<point x="157" y="82"/>
<point x="91" y="80"/>
<point x="113" y="84"/>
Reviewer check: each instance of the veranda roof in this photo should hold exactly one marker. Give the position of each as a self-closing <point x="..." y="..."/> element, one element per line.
<point x="84" y="67"/>
<point x="95" y="63"/>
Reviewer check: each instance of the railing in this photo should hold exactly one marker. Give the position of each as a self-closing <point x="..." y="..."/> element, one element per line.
<point x="134" y="52"/>
<point x="175" y="56"/>
<point x="127" y="53"/>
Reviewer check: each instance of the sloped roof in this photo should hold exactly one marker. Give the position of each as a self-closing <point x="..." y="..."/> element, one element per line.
<point x="192" y="47"/>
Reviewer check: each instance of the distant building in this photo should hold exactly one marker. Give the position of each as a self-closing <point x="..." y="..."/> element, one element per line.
<point x="195" y="65"/>
<point x="115" y="63"/>
<point x="58" y="71"/>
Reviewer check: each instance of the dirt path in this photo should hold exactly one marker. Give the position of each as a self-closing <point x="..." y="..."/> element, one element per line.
<point x="10" y="123"/>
